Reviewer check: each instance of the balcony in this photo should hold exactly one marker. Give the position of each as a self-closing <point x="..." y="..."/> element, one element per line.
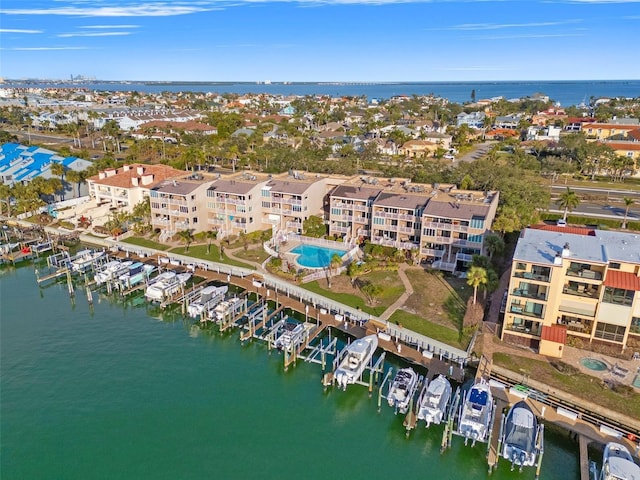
<point x="525" y="326"/>
<point x="437" y="239"/>
<point x="409" y="230"/>
<point x="457" y="242"/>
<point x="432" y="252"/>
<point x="335" y="229"/>
<point x="215" y="221"/>
<point x="528" y="309"/>
<point x="581" y="290"/>
<point x="533" y="276"/>
<point x="586" y="274"/>
<point x="535" y="294"/>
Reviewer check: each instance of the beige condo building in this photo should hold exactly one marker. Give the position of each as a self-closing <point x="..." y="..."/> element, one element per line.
<point x="573" y="282"/>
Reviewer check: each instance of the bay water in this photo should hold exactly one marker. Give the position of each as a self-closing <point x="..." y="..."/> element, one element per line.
<point x="121" y="391"/>
<point x="565" y="92"/>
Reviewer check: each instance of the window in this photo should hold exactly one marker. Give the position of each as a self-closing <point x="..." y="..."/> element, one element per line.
<point x="297" y="208"/>
<point x="477" y="222"/>
<point x="475" y="238"/>
<point x="195" y="220"/>
<point x="429" y="232"/>
<point x="336" y="211"/>
<point x="608" y="331"/>
<point x="266" y="204"/>
<point x="614" y="265"/>
<point x="618" y="296"/>
<point x="378" y="221"/>
<point x="635" y="325"/>
<point x="265" y="193"/>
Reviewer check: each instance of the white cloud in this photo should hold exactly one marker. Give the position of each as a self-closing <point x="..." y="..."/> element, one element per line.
<point x="142" y="10"/>
<point x="531" y="35"/>
<point x="110" y="26"/>
<point x="500" y="26"/>
<point x="18" y="30"/>
<point x="93" y="34"/>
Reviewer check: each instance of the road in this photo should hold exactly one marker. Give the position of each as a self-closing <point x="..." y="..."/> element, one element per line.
<point x="478" y="152"/>
<point x="37" y="137"/>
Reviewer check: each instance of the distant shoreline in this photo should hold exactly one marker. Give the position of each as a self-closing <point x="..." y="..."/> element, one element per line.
<point x="564" y="92"/>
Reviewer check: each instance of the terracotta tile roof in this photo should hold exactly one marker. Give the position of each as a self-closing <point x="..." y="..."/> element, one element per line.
<point x="574" y="230"/>
<point x="610" y="126"/>
<point x="623" y="280"/>
<point x="124" y="179"/>
<point x="627" y="146"/>
<point x="554" y="333"/>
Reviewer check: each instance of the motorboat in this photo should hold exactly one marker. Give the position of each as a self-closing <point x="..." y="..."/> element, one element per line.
<point x="208" y="298"/>
<point x="165" y="285"/>
<point x="289" y="335"/>
<point x="477" y="412"/>
<point x="433" y="401"/>
<point x="225" y="308"/>
<point x="355" y="360"/>
<point x="618" y="464"/>
<point x="138" y="272"/>
<point x="84" y="259"/>
<point x="112" y="270"/>
<point x="402" y="389"/>
<point x="520" y="436"/>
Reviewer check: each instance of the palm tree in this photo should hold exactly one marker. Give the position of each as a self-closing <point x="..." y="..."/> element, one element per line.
<point x="476" y="276"/>
<point x="628" y="201"/>
<point x="568" y="201"/>
<point x="494" y="244"/>
<point x="75" y="176"/>
<point x="5" y="197"/>
<point x="59" y="169"/>
<point x="186" y="236"/>
<point x="335" y="262"/>
<point x="210" y="235"/>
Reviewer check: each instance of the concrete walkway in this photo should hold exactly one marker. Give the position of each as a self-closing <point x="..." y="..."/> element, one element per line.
<point x="408" y="291"/>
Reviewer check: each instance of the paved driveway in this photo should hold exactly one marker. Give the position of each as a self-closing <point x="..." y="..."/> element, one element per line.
<point x="479" y="151"/>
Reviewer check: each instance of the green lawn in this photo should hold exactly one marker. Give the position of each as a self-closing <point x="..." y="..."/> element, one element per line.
<point x="200" y="251"/>
<point x="392" y="289"/>
<point x="255" y="254"/>
<point x="434" y="330"/>
<point x="572" y="382"/>
<point x="143" y="242"/>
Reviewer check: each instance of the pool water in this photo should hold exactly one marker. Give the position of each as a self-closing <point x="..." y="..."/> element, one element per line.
<point x="313" y="256"/>
<point x="594" y="364"/>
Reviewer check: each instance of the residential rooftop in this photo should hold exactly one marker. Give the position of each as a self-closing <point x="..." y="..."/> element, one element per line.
<point x="541" y="246"/>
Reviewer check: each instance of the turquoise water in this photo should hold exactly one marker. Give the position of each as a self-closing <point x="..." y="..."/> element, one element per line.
<point x="594" y="364"/>
<point x="313" y="256"/>
<point x="125" y="392"/>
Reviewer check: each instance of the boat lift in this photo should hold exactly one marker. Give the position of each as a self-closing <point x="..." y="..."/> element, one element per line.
<point x="539" y="449"/>
<point x="373" y="368"/>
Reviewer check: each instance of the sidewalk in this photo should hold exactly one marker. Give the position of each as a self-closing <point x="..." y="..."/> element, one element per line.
<point x="404" y="297"/>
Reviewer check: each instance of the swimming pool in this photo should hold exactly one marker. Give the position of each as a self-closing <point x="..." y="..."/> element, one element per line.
<point x="594" y="364"/>
<point x="314" y="256"/>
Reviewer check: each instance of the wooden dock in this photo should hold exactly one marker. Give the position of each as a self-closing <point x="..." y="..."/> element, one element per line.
<point x="583" y="442"/>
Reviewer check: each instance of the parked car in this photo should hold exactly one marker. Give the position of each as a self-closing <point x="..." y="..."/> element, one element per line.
<point x="561" y="222"/>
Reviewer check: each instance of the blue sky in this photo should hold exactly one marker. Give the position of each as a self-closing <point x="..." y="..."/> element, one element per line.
<point x="320" y="40"/>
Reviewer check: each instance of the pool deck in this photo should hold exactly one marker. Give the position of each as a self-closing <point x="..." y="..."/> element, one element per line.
<point x="619" y="370"/>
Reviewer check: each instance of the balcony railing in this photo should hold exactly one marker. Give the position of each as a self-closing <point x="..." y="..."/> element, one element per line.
<point x="521" y="310"/>
<point x="526" y="294"/>
<point x="532" y="276"/>
<point x="437" y="239"/>
<point x="580" y="292"/>
<point x="339" y="229"/>
<point x="535" y="330"/>
<point x="586" y="274"/>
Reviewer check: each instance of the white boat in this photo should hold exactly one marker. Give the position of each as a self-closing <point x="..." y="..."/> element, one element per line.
<point x="520" y="436"/>
<point x="476" y="414"/>
<point x="289" y="335"/>
<point x="357" y="356"/>
<point x="223" y="309"/>
<point x="433" y="400"/>
<point x="402" y="389"/>
<point x="208" y="298"/>
<point x="111" y="270"/>
<point x="618" y="464"/>
<point x="138" y="272"/>
<point x="85" y="259"/>
<point x="166" y="284"/>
